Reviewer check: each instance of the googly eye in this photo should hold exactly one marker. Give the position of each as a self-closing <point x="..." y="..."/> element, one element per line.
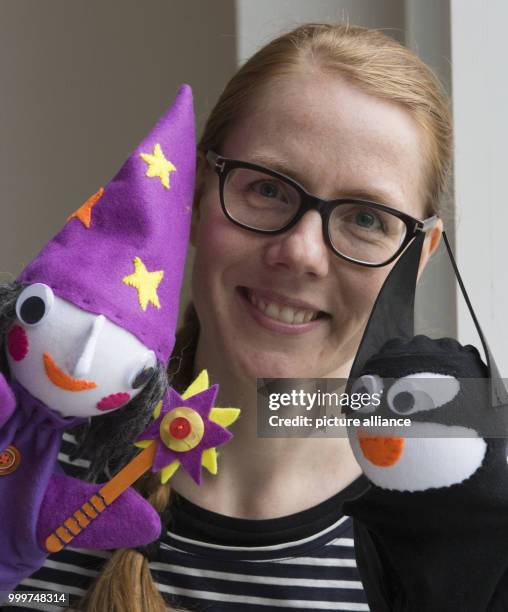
<point x="34" y="304"/>
<point x="369" y="384"/>
<point x="143" y="374"/>
<point x="404" y="402"/>
<point x="422" y="391"/>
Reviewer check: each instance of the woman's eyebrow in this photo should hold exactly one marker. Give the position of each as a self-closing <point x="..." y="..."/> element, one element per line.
<point x="373" y="195"/>
<point x="278" y="164"/>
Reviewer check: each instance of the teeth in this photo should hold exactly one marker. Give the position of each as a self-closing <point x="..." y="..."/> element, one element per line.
<point x="272" y="311"/>
<point x="308" y="316"/>
<point x="299" y="317"/>
<point x="285" y="314"/>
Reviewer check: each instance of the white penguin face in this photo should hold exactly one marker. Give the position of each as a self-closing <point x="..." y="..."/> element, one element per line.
<point x="435" y="455"/>
<point x="75" y="362"/>
<point x="423" y="462"/>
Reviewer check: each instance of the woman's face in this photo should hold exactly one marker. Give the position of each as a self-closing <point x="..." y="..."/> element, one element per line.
<point x="336" y="141"/>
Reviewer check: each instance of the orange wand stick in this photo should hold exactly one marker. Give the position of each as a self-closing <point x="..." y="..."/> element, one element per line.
<point x="105" y="496"/>
<point x="181" y="423"/>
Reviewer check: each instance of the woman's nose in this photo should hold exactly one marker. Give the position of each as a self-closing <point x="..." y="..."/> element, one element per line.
<point x="301" y="249"/>
<point x="85" y="351"/>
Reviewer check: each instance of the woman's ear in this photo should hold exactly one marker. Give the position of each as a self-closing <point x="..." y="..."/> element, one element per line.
<point x="201" y="166"/>
<point x="430" y="244"/>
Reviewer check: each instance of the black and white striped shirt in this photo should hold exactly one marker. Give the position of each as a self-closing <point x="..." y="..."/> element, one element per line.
<point x="211" y="562"/>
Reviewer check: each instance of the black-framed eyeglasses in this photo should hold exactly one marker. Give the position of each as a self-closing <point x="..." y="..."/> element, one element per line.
<point x="268" y="202"/>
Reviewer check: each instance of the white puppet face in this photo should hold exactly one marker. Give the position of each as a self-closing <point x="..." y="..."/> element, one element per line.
<point x="436" y="455"/>
<point x="75" y="362"/>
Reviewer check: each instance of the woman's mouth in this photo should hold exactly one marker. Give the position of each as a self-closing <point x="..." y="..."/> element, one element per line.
<point x="278" y="313"/>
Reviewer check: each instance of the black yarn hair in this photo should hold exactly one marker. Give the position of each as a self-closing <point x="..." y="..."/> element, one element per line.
<point x="107" y="440"/>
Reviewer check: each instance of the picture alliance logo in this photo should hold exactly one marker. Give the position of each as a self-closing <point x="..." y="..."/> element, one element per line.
<point x="337" y="421"/>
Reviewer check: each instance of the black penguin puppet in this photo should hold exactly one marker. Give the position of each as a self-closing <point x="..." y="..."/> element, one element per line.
<point x="431" y="533"/>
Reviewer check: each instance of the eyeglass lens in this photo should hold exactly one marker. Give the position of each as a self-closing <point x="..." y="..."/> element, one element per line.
<point x="357" y="231"/>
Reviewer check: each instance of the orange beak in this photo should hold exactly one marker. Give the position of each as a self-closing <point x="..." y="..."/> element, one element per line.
<point x="59" y="378"/>
<point x="383" y="451"/>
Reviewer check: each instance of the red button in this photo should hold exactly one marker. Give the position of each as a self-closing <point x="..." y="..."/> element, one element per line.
<point x="10" y="459"/>
<point x="180" y="428"/>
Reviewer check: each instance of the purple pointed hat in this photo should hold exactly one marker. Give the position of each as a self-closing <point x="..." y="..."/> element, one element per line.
<point x="122" y="253"/>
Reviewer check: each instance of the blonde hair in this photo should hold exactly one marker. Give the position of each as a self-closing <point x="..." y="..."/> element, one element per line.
<point x="373" y="62"/>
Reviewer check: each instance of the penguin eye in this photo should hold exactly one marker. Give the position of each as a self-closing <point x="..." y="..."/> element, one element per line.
<point x="142" y="375"/>
<point x="422" y="391"/>
<point x="34" y="304"/>
<point x="370" y="384"/>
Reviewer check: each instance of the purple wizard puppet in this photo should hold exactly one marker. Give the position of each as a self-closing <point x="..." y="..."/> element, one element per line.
<point x="86" y="331"/>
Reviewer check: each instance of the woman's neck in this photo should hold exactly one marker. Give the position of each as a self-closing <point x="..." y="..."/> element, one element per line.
<point x="266" y="477"/>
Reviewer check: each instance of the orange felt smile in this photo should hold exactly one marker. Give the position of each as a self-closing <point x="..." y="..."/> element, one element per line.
<point x="59" y="378"/>
<point x="383" y="451"/>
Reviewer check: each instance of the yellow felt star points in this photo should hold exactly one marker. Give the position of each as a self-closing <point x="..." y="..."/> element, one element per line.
<point x="84" y="212"/>
<point x="158" y="165"/>
<point x="222" y="416"/>
<point x="145" y="283"/>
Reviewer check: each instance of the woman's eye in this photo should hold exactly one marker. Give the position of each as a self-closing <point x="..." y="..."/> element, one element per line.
<point x="34" y="304"/>
<point x="268" y="190"/>
<point x="368" y="220"/>
<point x="142" y="377"/>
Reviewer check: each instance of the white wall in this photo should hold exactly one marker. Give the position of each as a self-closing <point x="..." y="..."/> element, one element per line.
<point x="428" y="34"/>
<point x="480" y="86"/>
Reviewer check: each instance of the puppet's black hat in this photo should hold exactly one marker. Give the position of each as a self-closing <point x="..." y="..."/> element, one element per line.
<point x="392" y="317"/>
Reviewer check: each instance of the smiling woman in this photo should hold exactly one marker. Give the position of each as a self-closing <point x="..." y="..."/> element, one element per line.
<point x="373" y="149"/>
<point x="326" y="154"/>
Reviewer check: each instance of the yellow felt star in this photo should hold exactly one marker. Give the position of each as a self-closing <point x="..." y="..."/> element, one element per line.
<point x="145" y="283"/>
<point x="221" y="416"/>
<point x="209" y="460"/>
<point x="224" y="417"/>
<point x="157" y="410"/>
<point x="158" y="165"/>
<point x="199" y="384"/>
<point x="168" y="471"/>
<point x="84" y="212"/>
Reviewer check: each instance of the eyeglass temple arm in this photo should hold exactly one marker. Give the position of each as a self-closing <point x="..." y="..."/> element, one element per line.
<point x="428" y="223"/>
<point x="213" y="160"/>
